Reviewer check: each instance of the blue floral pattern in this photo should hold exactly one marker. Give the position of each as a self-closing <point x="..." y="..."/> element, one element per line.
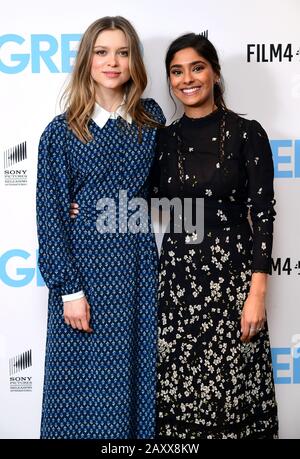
<point x="99" y="385"/>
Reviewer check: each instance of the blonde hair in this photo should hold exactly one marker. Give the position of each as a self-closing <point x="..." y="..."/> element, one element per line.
<point x="79" y="96"/>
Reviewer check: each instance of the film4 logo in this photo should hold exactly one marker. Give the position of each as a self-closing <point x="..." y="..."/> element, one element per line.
<point x="272" y="52"/>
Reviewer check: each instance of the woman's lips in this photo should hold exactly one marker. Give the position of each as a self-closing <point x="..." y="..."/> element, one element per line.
<point x="191" y="91"/>
<point x="112" y="74"/>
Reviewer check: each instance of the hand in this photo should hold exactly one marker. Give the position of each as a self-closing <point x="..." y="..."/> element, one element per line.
<point x="74" y="210"/>
<point x="77" y="314"/>
<point x="253" y="316"/>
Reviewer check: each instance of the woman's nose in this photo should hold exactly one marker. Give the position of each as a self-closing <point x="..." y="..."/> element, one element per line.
<point x="188" y="77"/>
<point x="112" y="59"/>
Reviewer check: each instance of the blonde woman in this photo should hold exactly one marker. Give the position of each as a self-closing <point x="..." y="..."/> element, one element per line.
<point x="100" y="352"/>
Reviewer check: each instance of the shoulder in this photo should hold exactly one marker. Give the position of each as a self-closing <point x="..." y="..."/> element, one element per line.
<point x="167" y="136"/>
<point x="55" y="133"/>
<point x="170" y="131"/>
<point x="256" y="129"/>
<point x="248" y="128"/>
<point x="58" y="126"/>
<point x="154" y="109"/>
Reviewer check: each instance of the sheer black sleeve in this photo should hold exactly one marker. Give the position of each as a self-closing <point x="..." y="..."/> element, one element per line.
<point x="156" y="168"/>
<point x="260" y="194"/>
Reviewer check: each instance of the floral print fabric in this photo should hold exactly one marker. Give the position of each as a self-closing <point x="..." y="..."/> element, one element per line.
<point x="99" y="385"/>
<point x="210" y="384"/>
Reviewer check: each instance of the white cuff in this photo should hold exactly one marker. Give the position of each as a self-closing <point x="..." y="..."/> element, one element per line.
<point x="73" y="296"/>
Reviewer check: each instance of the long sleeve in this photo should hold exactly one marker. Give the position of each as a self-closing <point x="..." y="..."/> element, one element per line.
<point x="260" y="195"/>
<point x="53" y="199"/>
<point x="73" y="296"/>
<point x="154" y="176"/>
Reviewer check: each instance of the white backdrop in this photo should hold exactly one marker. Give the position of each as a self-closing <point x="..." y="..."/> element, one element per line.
<point x="266" y="88"/>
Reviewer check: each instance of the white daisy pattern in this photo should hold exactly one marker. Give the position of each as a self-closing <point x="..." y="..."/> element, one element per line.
<point x="210" y="384"/>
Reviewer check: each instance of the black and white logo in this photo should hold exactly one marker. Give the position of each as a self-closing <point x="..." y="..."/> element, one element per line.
<point x="20" y="379"/>
<point x="273" y="52"/>
<point x="15" y="160"/>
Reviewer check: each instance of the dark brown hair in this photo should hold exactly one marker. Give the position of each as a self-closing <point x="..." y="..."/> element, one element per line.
<point x="204" y="48"/>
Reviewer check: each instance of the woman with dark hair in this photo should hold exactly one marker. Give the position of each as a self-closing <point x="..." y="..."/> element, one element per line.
<point x="214" y="367"/>
<point x="101" y="340"/>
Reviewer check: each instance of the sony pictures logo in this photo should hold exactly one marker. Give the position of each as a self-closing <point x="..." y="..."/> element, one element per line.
<point x="20" y="364"/>
<point x="273" y="52"/>
<point x="15" y="172"/>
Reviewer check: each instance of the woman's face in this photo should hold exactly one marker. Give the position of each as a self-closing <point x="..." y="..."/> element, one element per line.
<point x="110" y="62"/>
<point x="192" y="80"/>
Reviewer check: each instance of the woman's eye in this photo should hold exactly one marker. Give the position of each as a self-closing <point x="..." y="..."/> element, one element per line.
<point x="124" y="53"/>
<point x="101" y="52"/>
<point x="198" y="68"/>
<point x="176" y="72"/>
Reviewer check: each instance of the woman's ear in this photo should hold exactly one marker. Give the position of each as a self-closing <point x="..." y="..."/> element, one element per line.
<point x="217" y="79"/>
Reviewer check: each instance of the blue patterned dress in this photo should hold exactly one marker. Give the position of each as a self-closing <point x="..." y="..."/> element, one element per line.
<point x="99" y="385"/>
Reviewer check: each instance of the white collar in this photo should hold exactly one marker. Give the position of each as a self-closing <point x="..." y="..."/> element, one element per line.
<point x="101" y="116"/>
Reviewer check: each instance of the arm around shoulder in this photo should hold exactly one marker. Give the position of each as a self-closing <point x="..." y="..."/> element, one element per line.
<point x="154" y="109"/>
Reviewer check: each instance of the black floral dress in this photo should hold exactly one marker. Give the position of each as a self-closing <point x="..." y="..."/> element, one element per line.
<point x="210" y="384"/>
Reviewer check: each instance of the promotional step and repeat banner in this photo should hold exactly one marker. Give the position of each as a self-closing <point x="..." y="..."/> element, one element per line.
<point x="259" y="47"/>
